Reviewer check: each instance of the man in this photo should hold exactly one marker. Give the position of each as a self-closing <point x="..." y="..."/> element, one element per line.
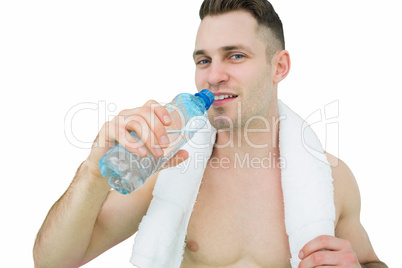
<point x="240" y="56"/>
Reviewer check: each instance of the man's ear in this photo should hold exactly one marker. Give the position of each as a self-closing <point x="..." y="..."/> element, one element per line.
<point x="281" y="65"/>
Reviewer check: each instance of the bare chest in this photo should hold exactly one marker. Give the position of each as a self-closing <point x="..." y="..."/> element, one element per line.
<point x="238" y="220"/>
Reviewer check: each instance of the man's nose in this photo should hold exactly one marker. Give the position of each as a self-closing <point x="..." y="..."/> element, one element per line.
<point x="217" y="74"/>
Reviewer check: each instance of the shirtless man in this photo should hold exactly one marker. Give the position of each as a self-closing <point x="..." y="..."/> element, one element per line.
<point x="238" y="219"/>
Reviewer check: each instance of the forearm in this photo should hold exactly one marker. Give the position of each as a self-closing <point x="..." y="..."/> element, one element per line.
<point x="376" y="264"/>
<point x="66" y="232"/>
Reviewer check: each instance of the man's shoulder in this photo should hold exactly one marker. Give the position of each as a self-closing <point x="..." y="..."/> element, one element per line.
<point x="340" y="170"/>
<point x="346" y="190"/>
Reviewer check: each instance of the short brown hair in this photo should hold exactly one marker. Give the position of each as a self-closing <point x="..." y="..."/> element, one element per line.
<point x="261" y="10"/>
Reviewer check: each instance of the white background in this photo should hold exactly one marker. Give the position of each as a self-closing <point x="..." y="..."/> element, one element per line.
<point x="55" y="55"/>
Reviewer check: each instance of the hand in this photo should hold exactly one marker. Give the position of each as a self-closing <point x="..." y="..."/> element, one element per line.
<point x="148" y="122"/>
<point x="327" y="250"/>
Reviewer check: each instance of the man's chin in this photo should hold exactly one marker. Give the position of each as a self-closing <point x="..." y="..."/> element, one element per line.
<point x="221" y="121"/>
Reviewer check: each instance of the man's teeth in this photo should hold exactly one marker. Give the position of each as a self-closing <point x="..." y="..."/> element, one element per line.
<point x="221" y="97"/>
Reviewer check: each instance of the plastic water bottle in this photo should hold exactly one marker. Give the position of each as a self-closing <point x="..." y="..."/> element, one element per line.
<point x="128" y="172"/>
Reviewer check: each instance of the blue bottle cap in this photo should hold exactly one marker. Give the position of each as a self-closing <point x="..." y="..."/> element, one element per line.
<point x="207" y="96"/>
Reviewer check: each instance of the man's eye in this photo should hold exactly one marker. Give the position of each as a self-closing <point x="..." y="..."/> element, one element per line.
<point x="237" y="56"/>
<point x="203" y="62"/>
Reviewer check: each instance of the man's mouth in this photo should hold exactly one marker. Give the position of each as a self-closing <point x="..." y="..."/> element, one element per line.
<point x="221" y="97"/>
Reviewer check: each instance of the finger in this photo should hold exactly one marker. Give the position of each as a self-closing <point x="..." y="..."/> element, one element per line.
<point x="320" y="243"/>
<point x="157" y="118"/>
<point x="152" y="114"/>
<point x="160" y="111"/>
<point x="106" y="138"/>
<point x="178" y="158"/>
<point x="158" y="135"/>
<point x="328" y="258"/>
<point x="102" y="143"/>
<point x="321" y="259"/>
<point x="144" y="123"/>
<point x="131" y="144"/>
<point x="115" y="132"/>
<point x="139" y="125"/>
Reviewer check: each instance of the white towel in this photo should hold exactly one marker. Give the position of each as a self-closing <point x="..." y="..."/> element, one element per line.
<point x="306" y="184"/>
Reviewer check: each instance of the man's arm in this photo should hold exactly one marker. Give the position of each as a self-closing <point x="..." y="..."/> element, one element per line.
<point x="89" y="218"/>
<point x="57" y="244"/>
<point x="375" y="264"/>
<point x="349" y="226"/>
<point x="351" y="245"/>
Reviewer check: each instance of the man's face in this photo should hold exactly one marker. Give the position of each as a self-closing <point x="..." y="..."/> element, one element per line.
<point x="231" y="60"/>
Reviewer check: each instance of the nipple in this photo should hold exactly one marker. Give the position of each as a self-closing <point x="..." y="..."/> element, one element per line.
<point x="192" y="246"/>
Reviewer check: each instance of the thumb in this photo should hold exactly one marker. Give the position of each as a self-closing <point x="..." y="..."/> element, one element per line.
<point x="180" y="156"/>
